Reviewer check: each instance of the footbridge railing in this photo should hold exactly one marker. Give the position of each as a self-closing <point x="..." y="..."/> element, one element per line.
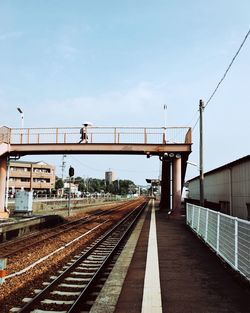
<point x="113" y="135"/>
<point x="228" y="236"/>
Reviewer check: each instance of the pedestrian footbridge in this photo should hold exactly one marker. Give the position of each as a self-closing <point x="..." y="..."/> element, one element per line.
<point x="171" y="144"/>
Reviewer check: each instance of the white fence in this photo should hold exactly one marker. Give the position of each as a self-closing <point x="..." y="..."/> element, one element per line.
<point x="228" y="236"/>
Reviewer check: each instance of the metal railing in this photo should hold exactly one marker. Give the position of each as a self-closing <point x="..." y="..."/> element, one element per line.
<point x="228" y="236"/>
<point x="113" y="135"/>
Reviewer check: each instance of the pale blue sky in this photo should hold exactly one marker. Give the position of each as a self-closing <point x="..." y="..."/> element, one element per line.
<point x="116" y="63"/>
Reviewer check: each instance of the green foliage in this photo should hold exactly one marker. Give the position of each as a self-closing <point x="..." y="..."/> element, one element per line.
<point x="59" y="183"/>
<point x="117" y="187"/>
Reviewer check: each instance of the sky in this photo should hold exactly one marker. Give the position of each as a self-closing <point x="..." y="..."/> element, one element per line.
<point x="116" y="63"/>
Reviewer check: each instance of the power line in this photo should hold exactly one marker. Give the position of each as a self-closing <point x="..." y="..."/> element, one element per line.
<point x="224" y="76"/>
<point x="102" y="170"/>
<point x="228" y="68"/>
<point x="87" y="166"/>
<point x="196" y="123"/>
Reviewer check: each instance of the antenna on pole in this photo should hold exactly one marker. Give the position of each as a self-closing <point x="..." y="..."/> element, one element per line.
<point x="165" y="107"/>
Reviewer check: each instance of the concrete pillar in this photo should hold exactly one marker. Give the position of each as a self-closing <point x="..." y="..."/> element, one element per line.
<point x="166" y="185"/>
<point x="177" y="189"/>
<point x="3" y="175"/>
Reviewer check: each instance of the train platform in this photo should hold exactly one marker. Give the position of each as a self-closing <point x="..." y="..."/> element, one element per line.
<point x="165" y="267"/>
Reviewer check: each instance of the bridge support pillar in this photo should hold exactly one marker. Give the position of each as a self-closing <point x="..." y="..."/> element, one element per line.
<point x="177" y="186"/>
<point x="165" y="202"/>
<point x="3" y="176"/>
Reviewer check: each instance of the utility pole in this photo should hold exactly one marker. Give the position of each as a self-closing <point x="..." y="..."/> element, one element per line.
<point x="201" y="109"/>
<point x="63" y="165"/>
<point x="7" y="184"/>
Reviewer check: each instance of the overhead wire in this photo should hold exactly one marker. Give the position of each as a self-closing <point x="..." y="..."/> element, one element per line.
<point x="228" y="68"/>
<point x="223" y="77"/>
<point x="102" y="170"/>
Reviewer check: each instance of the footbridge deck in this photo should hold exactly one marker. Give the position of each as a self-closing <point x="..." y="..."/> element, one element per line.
<point x="101" y="140"/>
<point x="171" y="144"/>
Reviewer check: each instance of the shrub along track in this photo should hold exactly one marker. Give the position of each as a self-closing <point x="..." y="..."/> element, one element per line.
<point x="16" y="287"/>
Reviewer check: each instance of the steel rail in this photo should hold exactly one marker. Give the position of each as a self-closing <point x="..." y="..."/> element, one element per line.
<point x="54" y="231"/>
<point x="36" y="301"/>
<point x="26" y="244"/>
<point x="85" y="292"/>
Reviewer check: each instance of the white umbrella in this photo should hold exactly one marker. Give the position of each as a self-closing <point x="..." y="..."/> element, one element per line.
<point x="87" y="124"/>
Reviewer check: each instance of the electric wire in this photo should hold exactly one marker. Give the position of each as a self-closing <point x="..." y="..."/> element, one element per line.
<point x="102" y="170"/>
<point x="228" y="68"/>
<point x="223" y="77"/>
<point x="196" y="123"/>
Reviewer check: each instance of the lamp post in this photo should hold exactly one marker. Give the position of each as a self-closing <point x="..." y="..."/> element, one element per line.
<point x="22" y="116"/>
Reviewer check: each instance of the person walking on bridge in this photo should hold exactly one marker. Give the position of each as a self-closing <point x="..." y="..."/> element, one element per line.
<point x="84" y="135"/>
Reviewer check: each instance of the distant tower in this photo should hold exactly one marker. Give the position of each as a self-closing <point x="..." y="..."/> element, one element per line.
<point x="109" y="177"/>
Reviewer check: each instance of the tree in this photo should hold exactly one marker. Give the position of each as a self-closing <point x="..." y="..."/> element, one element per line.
<point x="81" y="186"/>
<point x="59" y="183"/>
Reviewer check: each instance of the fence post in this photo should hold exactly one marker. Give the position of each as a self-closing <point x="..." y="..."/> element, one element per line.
<point x="115" y="135"/>
<point x="206" y="227"/>
<point x="199" y="217"/>
<point x="56" y="135"/>
<point x="164" y="141"/>
<point x="218" y="233"/>
<point x="28" y="134"/>
<point x="188" y="215"/>
<point x="145" y="135"/>
<point x="192" y="224"/>
<point x="236" y="243"/>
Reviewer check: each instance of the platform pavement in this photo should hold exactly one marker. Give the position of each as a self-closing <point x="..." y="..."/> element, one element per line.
<point x="192" y="278"/>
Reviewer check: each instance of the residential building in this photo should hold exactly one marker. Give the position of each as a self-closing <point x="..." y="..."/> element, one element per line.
<point x="31" y="176"/>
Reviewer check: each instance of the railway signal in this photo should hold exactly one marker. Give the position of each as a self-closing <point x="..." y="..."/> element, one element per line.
<point x="71" y="174"/>
<point x="71" y="171"/>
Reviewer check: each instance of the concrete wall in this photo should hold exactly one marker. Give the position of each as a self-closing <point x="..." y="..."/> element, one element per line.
<point x="50" y="205"/>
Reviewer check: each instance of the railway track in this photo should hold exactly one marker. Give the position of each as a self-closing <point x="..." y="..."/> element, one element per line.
<point x="69" y="291"/>
<point x="11" y="248"/>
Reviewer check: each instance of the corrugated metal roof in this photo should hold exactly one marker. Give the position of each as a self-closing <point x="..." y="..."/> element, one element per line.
<point x="223" y="167"/>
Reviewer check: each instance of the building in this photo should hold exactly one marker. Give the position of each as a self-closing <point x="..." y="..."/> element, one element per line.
<point x="73" y="188"/>
<point x="31" y="176"/>
<point x="226" y="189"/>
<point x="110" y="177"/>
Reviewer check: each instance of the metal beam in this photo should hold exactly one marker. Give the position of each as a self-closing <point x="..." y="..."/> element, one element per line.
<point x="139" y="149"/>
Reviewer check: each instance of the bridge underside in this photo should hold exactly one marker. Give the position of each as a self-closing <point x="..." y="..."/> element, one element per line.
<point x="173" y="157"/>
<point x="138" y="149"/>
